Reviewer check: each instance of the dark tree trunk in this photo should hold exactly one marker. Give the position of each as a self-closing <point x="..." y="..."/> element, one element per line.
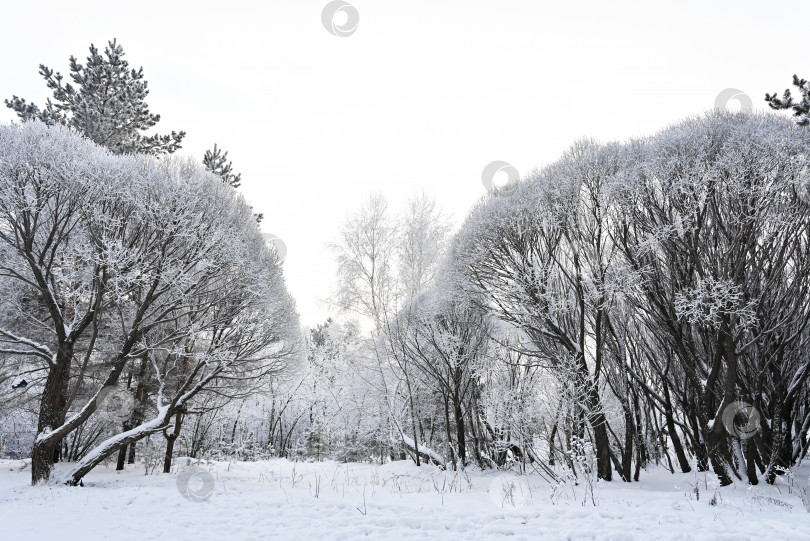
<point x="460" y="437"/>
<point x="449" y="437"/>
<point x="122" y="458"/>
<point x="414" y="417"/>
<point x="131" y="457"/>
<point x="477" y="434"/>
<point x="716" y="440"/>
<point x="698" y="446"/>
<point x="673" y="434"/>
<point x="122" y="452"/>
<point x="750" y="462"/>
<point x="170" y="439"/>
<point x="64" y="392"/>
<point x="627" y="452"/>
<point x="51" y="415"/>
<point x="600" y="433"/>
<point x="551" y="453"/>
<point x="642" y="455"/>
<point x="140" y="402"/>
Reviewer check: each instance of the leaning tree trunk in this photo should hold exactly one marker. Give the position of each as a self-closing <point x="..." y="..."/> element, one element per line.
<point x="124" y="439"/>
<point x="91" y="460"/>
<point x="683" y="462"/>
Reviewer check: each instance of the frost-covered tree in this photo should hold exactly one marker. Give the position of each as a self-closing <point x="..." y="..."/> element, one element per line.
<point x="445" y="339"/>
<point x="662" y="281"/>
<point x="539" y="258"/>
<point x="383" y="262"/>
<point x="132" y="257"/>
<point x="423" y="233"/>
<point x="365" y="254"/>
<point x="106" y="103"/>
<point x="341" y="421"/>
<point x="715" y="221"/>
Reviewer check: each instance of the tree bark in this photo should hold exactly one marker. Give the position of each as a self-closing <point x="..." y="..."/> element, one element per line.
<point x="131" y="457"/>
<point x="460" y="436"/>
<point x="601" y="441"/>
<point x="673" y="433"/>
<point x="170" y="439"/>
<point x="629" y="437"/>
<point x="51" y="415"/>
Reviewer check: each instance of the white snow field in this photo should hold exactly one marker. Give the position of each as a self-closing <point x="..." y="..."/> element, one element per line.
<point x="280" y="499"/>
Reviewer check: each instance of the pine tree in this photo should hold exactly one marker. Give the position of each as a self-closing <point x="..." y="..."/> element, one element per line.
<point x="801" y="109"/>
<point x="106" y="104"/>
<point x="214" y="161"/>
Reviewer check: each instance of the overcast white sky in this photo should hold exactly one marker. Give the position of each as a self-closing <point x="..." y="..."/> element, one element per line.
<point x="421" y="97"/>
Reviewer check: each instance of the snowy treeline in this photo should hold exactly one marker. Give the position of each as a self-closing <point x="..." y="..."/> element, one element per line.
<point x="634" y="304"/>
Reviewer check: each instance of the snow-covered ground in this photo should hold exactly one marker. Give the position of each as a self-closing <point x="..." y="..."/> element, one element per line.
<point x="280" y="499"/>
